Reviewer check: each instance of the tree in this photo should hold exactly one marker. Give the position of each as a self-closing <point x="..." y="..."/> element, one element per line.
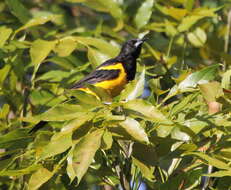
<point x="169" y="139"/>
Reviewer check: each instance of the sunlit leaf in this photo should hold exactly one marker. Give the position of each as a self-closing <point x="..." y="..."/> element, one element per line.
<point x="65" y="46"/>
<point x="144" y="13"/>
<point x="177" y="13"/>
<point x="197" y="37"/>
<point x="41" y="176"/>
<point x="4" y="35"/>
<point x="38" y="21"/>
<point x="84" y="152"/>
<point x="195" y="16"/>
<point x="106" y="140"/>
<point x="96" y="57"/>
<point x="146" y="109"/>
<point x="134" y="89"/>
<point x="134" y="129"/>
<point x="59" y="143"/>
<point x="221" y="173"/>
<point x="20" y="172"/>
<point x="211" y="91"/>
<point x="76" y="123"/>
<point x="199" y="77"/>
<point x="40" y="50"/>
<point x="147" y="171"/>
<point x="225" y="82"/>
<point x="100" y="44"/>
<point x="61" y="112"/>
<point x="211" y="160"/>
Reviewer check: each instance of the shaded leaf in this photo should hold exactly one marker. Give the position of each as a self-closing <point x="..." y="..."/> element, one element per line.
<point x="18" y="10"/>
<point x="17" y="138"/>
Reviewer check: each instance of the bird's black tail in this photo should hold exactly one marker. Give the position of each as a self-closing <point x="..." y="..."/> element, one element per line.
<point x="38" y="126"/>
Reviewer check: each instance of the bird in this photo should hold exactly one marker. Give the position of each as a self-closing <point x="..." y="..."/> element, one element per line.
<point x="112" y="75"/>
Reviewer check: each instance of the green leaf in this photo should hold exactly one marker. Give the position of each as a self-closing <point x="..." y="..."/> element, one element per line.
<point x="59" y="143"/>
<point x="199" y="77"/>
<point x="176" y="13"/>
<point x="96" y="57"/>
<point x="197" y="37"/>
<point x="109" y="6"/>
<point x="133" y="128"/>
<point x="4" y="73"/>
<point x="100" y="44"/>
<point x="225" y="82"/>
<point x="39" y="50"/>
<point x="134" y="89"/>
<point x="146" y="170"/>
<point x="189" y="4"/>
<point x="17" y="138"/>
<point x="146" y="109"/>
<point x="83" y="153"/>
<point x="107" y="140"/>
<point x="41" y="97"/>
<point x="38" y="21"/>
<point x="19" y="172"/>
<point x="198" y="14"/>
<point x="144" y="13"/>
<point x="211" y="160"/>
<point x="4" y="111"/>
<point x="61" y="112"/>
<point x="183" y="104"/>
<point x="164" y="130"/>
<point x="4" y="35"/>
<point x="76" y="123"/>
<point x="18" y="10"/>
<point x="211" y="91"/>
<point x="38" y="178"/>
<point x="85" y="98"/>
<point x="222" y="173"/>
<point x="112" y="7"/>
<point x="65" y="46"/>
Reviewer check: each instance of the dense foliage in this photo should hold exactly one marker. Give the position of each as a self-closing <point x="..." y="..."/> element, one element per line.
<point x="175" y="136"/>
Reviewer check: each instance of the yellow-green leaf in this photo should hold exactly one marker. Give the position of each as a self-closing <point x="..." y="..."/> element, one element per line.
<point x="144" y="13"/>
<point x="134" y="129"/>
<point x="4" y="35"/>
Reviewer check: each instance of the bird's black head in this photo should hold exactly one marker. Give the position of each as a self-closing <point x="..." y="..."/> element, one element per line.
<point x="132" y="48"/>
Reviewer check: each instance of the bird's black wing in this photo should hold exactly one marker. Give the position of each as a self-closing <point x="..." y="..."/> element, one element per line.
<point x="97" y="76"/>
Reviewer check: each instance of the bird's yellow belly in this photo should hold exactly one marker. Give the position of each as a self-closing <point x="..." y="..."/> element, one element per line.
<point x="113" y="86"/>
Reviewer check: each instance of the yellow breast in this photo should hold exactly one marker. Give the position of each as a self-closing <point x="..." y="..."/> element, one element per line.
<point x="114" y="86"/>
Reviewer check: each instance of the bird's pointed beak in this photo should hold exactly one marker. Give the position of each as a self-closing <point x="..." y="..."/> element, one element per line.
<point x="140" y="41"/>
